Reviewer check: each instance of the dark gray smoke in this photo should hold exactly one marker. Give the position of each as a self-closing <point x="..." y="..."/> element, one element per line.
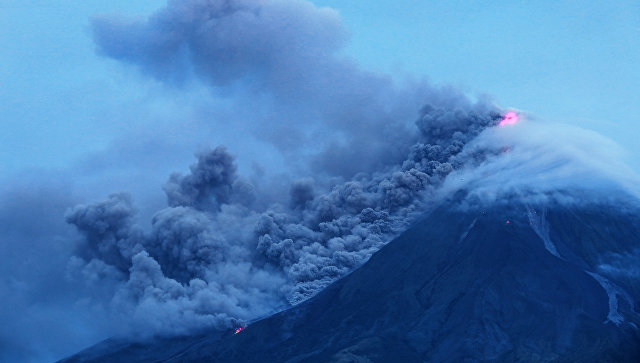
<point x="108" y="230"/>
<point x="209" y="184"/>
<point x="211" y="259"/>
<point x="42" y="313"/>
<point x="225" y="250"/>
<point x="282" y="60"/>
<point x="229" y="247"/>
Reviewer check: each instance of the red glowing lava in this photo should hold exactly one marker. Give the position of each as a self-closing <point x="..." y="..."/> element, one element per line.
<point x="238" y="330"/>
<point x="510" y="118"/>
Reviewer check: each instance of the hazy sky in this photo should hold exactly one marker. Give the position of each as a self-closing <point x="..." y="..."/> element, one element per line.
<point x="571" y="61"/>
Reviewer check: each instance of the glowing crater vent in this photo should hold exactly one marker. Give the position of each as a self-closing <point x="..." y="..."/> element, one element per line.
<point x="238" y="330"/>
<point x="510" y="118"/>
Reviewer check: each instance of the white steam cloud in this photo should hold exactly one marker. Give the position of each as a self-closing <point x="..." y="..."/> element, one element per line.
<point x="536" y="158"/>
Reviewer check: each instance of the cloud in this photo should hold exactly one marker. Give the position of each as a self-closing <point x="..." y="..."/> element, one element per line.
<point x="282" y="60"/>
<point x="225" y="41"/>
<point x="42" y="319"/>
<point x="281" y="252"/>
<point x="107" y="227"/>
<point x="226" y="248"/>
<point x="210" y="182"/>
<point x="625" y="265"/>
<point x="536" y="158"/>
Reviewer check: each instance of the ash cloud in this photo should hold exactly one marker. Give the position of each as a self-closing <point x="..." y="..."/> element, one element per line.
<point x="282" y="59"/>
<point x="226" y="41"/>
<point x="226" y="248"/>
<point x="107" y="227"/>
<point x="42" y="315"/>
<point x="210" y="184"/>
<point x="213" y="260"/>
<point x="220" y="264"/>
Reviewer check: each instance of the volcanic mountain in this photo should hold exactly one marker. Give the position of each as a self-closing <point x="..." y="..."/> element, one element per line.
<point x="509" y="280"/>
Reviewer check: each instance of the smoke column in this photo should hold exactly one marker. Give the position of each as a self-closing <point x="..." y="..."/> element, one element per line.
<point x="221" y="252"/>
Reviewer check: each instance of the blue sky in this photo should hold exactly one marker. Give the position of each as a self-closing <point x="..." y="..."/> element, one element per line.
<point x="568" y="61"/>
<point x="55" y="91"/>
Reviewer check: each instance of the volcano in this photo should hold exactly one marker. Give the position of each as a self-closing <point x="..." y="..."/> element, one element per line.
<point x="471" y="281"/>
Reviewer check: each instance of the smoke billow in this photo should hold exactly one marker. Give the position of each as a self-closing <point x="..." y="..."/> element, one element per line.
<point x="35" y="298"/>
<point x="226" y="249"/>
<point x="213" y="257"/>
<point x="212" y="182"/>
<point x="214" y="260"/>
<point x="282" y="60"/>
<point x="229" y="248"/>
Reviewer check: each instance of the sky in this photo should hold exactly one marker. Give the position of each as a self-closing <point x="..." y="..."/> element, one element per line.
<point x="568" y="61"/>
<point x="81" y="117"/>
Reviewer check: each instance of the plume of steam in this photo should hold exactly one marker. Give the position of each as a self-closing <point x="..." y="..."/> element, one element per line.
<point x="535" y="159"/>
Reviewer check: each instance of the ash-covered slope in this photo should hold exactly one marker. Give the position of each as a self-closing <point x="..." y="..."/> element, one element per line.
<point x="505" y="282"/>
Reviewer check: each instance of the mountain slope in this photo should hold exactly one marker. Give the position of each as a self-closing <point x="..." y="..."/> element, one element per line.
<point x="507" y="282"/>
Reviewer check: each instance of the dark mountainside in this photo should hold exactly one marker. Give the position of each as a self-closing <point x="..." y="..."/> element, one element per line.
<point x="506" y="282"/>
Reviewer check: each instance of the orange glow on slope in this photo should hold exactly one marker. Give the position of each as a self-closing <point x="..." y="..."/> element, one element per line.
<point x="510" y="118"/>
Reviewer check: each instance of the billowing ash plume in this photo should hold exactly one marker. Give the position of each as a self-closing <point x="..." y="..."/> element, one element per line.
<point x="282" y="61"/>
<point x="222" y="251"/>
<point x="108" y="229"/>
<point x="210" y="181"/>
<point x="212" y="259"/>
